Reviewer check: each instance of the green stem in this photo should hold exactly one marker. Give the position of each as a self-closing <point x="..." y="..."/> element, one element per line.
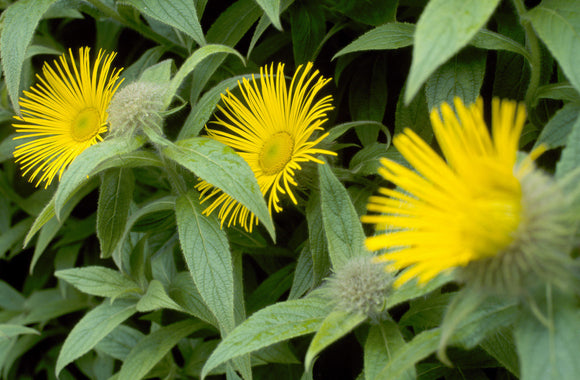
<point x="385" y="340"/>
<point x="175" y="180"/>
<point x="146" y="32"/>
<point x="535" y="309"/>
<point x="533" y="46"/>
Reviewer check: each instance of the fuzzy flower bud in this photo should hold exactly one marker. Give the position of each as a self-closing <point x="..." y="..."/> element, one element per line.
<point x="136" y="105"/>
<point x="360" y="286"/>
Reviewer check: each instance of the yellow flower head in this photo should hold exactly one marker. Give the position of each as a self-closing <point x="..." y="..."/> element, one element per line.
<point x="64" y="114"/>
<point x="271" y="130"/>
<point x="450" y="213"/>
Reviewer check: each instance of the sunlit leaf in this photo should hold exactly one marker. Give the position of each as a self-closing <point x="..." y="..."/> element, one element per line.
<point x="342" y="225"/>
<point x="180" y="14"/>
<point x="220" y="166"/>
<point x="94" y="326"/>
<point x="19" y="22"/>
<point x="445" y="26"/>
<point x="207" y="254"/>
<point x="273" y="324"/>
<point x="557" y="22"/>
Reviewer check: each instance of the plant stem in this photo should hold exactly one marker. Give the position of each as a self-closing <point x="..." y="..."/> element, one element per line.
<point x="146" y="32"/>
<point x="533" y="46"/>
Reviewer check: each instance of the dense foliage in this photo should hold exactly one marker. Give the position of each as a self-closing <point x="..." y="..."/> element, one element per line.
<point x="115" y="268"/>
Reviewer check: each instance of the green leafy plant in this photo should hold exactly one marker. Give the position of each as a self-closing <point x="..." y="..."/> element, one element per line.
<point x="163" y="251"/>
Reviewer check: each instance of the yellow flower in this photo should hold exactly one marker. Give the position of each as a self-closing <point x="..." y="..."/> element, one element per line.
<point x="64" y="114"/>
<point x="271" y="130"/>
<point x="449" y="214"/>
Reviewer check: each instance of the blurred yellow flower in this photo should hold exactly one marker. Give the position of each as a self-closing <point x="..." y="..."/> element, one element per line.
<point x="64" y="114"/>
<point x="451" y="213"/>
<point x="271" y="130"/>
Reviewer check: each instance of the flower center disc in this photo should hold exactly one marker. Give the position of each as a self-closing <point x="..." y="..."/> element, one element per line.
<point x="86" y="125"/>
<point x="493" y="224"/>
<point x="276" y="152"/>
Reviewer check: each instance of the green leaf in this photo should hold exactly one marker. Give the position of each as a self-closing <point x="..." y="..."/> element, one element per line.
<point x="512" y="72"/>
<point x="460" y="308"/>
<point x="415" y="116"/>
<point x="7" y="145"/>
<point x="133" y="72"/>
<point x="360" y="197"/>
<point x="135" y="159"/>
<point x="13" y="235"/>
<point x="276" y="353"/>
<point x="94" y="326"/>
<point x="8" y="193"/>
<point x="488" y="317"/>
<point x="223" y="168"/>
<point x="183" y="290"/>
<point x="371" y="12"/>
<point x="191" y="63"/>
<point x="272" y="9"/>
<point x="303" y="275"/>
<point x="399" y="35"/>
<point x="153" y="347"/>
<point x="556" y="131"/>
<point x="426" y="312"/>
<point x="180" y="14"/>
<point x="157" y="205"/>
<point x="461" y="76"/>
<point x="403" y="361"/>
<point x="340" y="129"/>
<point x="47" y="233"/>
<point x="119" y="342"/>
<point x="385" y="37"/>
<point x="262" y="26"/>
<point x="98" y="281"/>
<point x="10" y="330"/>
<point x="229" y="28"/>
<point x="486" y="39"/>
<point x="557" y="22"/>
<point x="273" y="324"/>
<point x="335" y="326"/>
<point x="341" y="223"/>
<point x="317" y="243"/>
<point x="550" y="351"/>
<point x="501" y="345"/>
<point x="159" y="73"/>
<point x="383" y="341"/>
<point x="368" y="96"/>
<point x="156" y="298"/>
<point x="271" y="289"/>
<point x="79" y="170"/>
<point x="410" y="289"/>
<point x="367" y="160"/>
<point x="203" y="110"/>
<point x="570" y="157"/>
<point x="307" y="26"/>
<point x="19" y="22"/>
<point x="10" y="299"/>
<point x="207" y="254"/>
<point x="115" y="197"/>
<point x="445" y="26"/>
<point x="47" y="221"/>
<point x="34" y="50"/>
<point x="558" y="91"/>
<point x="44" y="305"/>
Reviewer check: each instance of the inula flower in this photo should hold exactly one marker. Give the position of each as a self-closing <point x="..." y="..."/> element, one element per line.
<point x="480" y="210"/>
<point x="271" y="128"/>
<point x="64" y="114"/>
